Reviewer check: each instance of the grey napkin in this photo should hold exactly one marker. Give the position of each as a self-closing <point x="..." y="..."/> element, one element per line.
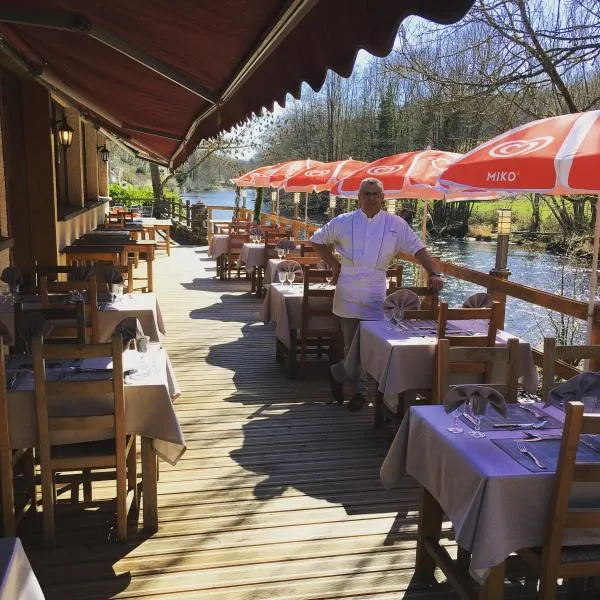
<point x="480" y="398"/>
<point x="12" y="276"/>
<point x="80" y="273"/>
<point x="395" y="304"/>
<point x="290" y="266"/>
<point x="129" y="329"/>
<point x="480" y="300"/>
<point x="585" y="384"/>
<point x="286" y="245"/>
<point x="256" y="231"/>
<point x="111" y="275"/>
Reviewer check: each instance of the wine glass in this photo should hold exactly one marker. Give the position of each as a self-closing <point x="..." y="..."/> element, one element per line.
<point x="282" y="276"/>
<point x="291" y="277"/>
<point x="329" y="278"/>
<point x="389" y="316"/>
<point x="280" y="253"/>
<point x="455" y="428"/>
<point x="475" y="433"/>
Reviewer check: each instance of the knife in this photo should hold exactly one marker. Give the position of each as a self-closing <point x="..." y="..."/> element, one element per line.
<point x="470" y="418"/>
<point x="515" y="425"/>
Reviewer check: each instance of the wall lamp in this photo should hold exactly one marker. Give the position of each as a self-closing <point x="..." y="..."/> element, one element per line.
<point x="64" y="133"/>
<point x="104" y="152"/>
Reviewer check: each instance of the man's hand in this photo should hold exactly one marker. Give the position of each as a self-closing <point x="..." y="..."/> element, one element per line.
<point x="435" y="282"/>
<point x="336" y="267"/>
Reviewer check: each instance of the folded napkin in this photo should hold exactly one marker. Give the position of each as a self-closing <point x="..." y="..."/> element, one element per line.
<point x="480" y="300"/>
<point x="12" y="276"/>
<point x="585" y="384"/>
<point x="129" y="329"/>
<point x="111" y="275"/>
<point x="257" y="231"/>
<point x="395" y="304"/>
<point x="286" y="245"/>
<point x="479" y="397"/>
<point x="80" y="273"/>
<point x="289" y="266"/>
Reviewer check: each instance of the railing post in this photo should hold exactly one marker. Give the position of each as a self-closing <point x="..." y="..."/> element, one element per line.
<point x="595" y="337"/>
<point x="172" y="207"/>
<point x="263" y="218"/>
<point x="188" y="212"/>
<point x="296" y="230"/>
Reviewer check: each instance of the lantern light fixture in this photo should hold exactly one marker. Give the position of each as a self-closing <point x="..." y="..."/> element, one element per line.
<point x="504" y="221"/>
<point x="104" y="152"/>
<point x="65" y="133"/>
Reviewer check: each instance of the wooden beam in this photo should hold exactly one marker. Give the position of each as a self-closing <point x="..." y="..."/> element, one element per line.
<point x="75" y="166"/>
<point x="91" y="162"/>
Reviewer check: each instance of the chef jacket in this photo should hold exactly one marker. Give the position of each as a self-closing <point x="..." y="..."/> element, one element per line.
<point x="366" y="247"/>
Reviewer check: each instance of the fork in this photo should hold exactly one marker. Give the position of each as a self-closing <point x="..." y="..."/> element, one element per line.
<point x="522" y="448"/>
<point x="531" y="411"/>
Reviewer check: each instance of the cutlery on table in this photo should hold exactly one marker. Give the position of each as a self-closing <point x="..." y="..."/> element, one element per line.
<point x="522" y="448"/>
<point x="470" y="418"/>
<point x="531" y="411"/>
<point x="536" y="437"/>
<point x="520" y="425"/>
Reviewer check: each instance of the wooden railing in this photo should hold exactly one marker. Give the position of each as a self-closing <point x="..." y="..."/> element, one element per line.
<point x="179" y="210"/>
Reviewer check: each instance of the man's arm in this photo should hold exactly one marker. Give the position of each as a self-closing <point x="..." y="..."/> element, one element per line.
<point x="325" y="252"/>
<point x="424" y="258"/>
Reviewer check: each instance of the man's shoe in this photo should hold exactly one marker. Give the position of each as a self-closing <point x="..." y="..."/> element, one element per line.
<point x="356" y="403"/>
<point x="337" y="390"/>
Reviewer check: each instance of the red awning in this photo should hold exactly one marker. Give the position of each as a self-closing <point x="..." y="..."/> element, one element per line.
<point x="163" y="75"/>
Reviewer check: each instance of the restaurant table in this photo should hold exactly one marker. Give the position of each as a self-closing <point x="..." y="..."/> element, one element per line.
<point x="17" y="579"/>
<point x="149" y="393"/>
<point x="401" y="360"/>
<point x="144" y="307"/>
<point x="495" y="504"/>
<point x="271" y="271"/>
<point x="153" y="225"/>
<point x="283" y="305"/>
<point x="218" y="245"/>
<point x="252" y="255"/>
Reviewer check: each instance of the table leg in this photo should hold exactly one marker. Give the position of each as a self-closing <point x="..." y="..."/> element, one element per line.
<point x="149" y="486"/>
<point x="430" y="527"/>
<point x="493" y="587"/>
<point x="291" y="366"/>
<point x="149" y="263"/>
<point x="167" y="231"/>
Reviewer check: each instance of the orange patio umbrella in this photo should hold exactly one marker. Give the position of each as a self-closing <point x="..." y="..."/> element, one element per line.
<point x="275" y="175"/>
<point x="248" y="179"/>
<point x="322" y="177"/>
<point x="558" y="155"/>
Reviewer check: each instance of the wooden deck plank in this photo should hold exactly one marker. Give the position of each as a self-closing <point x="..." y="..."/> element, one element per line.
<point x="278" y="494"/>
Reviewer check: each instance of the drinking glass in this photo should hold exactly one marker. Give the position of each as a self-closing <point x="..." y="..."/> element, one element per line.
<point x="291" y="276"/>
<point x="455" y="427"/>
<point x="280" y="252"/>
<point x="389" y="317"/>
<point x="282" y="276"/>
<point x="329" y="278"/>
<point x="475" y="433"/>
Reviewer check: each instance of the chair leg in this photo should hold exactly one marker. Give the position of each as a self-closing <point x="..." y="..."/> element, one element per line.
<point x="29" y="473"/>
<point x="8" y="498"/>
<point x="132" y="472"/>
<point x="87" y="485"/>
<point x="48" y="501"/>
<point x="378" y="421"/>
<point x="547" y="589"/>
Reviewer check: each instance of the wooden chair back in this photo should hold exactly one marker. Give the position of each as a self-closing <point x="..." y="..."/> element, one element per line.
<point x="492" y="316"/>
<point x="476" y="364"/>
<point x="272" y="237"/>
<point x="559" y="361"/>
<point x="555" y="560"/>
<point x="113" y="221"/>
<point x="429" y="308"/>
<point x="234" y="249"/>
<point x="111" y="420"/>
<point x="306" y="249"/>
<point x="126" y="273"/>
<point x="89" y="287"/>
<point x="8" y="461"/>
<point x="394" y="278"/>
<point x="113" y="255"/>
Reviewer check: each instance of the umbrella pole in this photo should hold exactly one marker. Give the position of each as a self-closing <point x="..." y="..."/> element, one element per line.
<point x="593" y="276"/>
<point x="422" y="278"/>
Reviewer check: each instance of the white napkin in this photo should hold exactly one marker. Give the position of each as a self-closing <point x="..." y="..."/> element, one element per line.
<point x="395" y="304"/>
<point x="479" y="396"/>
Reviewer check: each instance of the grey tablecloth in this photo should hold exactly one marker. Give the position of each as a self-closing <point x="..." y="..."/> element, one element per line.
<point x="252" y="255"/>
<point x="404" y="360"/>
<point x="144" y="307"/>
<point x="148" y="404"/>
<point x="283" y="304"/>
<point x="17" y="579"/>
<point x="496" y="505"/>
<point x="270" y="275"/>
<point x="218" y="245"/>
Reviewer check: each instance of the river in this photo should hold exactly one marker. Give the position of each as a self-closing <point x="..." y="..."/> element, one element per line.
<point x="527" y="266"/>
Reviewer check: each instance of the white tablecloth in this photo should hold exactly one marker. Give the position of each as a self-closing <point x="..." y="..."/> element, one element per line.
<point x="404" y="360"/>
<point x="18" y="581"/>
<point x="148" y="404"/>
<point x="283" y="305"/>
<point x="495" y="504"/>
<point x="144" y="307"/>
<point x="270" y="271"/>
<point x="218" y="245"/>
<point x="252" y="255"/>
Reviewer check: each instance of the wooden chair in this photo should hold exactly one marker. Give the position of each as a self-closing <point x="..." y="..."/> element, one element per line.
<point x="90" y="287"/>
<point x="113" y="221"/>
<point x="315" y="336"/>
<point x="394" y="278"/>
<point x="559" y="362"/>
<point x="78" y="255"/>
<point x="10" y="460"/>
<point x="126" y="273"/>
<point x="476" y="365"/>
<point x="306" y="249"/>
<point x="115" y="453"/>
<point x="234" y="250"/>
<point x="553" y="560"/>
<point x="492" y="315"/>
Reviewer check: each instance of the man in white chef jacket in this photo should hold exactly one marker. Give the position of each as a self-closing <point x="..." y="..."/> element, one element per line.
<point x="367" y="240"/>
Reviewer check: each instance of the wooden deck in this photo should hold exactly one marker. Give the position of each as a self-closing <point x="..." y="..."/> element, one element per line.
<point x="278" y="494"/>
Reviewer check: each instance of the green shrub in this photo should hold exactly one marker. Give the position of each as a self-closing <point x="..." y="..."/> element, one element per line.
<point x="136" y="194"/>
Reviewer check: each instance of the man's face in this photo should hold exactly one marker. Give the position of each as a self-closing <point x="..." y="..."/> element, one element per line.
<point x="370" y="198"/>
